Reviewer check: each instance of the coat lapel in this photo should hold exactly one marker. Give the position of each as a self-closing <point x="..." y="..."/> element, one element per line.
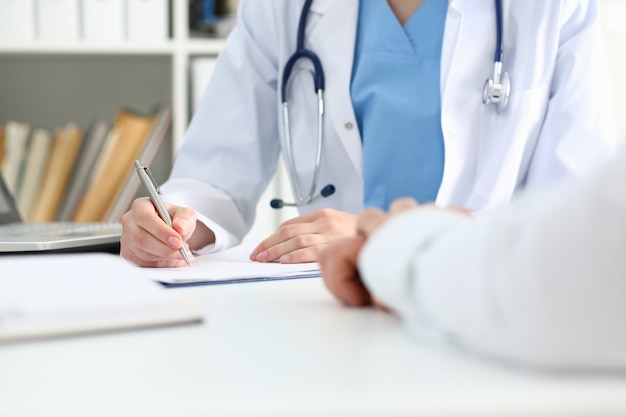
<point x="331" y="35"/>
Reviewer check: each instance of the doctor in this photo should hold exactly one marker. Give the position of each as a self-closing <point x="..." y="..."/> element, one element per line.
<point x="460" y="102"/>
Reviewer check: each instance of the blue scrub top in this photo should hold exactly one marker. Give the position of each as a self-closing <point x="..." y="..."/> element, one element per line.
<point x="396" y="97"/>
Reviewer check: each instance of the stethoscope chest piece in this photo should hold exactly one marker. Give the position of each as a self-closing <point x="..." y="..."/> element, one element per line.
<point x="497" y="91"/>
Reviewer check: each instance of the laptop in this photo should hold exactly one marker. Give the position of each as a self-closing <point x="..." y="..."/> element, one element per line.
<point x="19" y="237"/>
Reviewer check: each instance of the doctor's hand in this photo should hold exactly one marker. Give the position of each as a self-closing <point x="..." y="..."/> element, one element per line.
<point x="148" y="241"/>
<point x="339" y="260"/>
<point x="302" y="238"/>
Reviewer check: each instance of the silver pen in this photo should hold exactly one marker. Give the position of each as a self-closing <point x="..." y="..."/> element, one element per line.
<point x="155" y="196"/>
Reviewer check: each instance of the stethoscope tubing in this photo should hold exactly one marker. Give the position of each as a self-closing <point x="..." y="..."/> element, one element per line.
<point x="496" y="91"/>
<point x="302" y="53"/>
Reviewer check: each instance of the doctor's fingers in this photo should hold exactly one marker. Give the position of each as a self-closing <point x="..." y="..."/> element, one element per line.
<point x="312" y="229"/>
<point x="146" y="239"/>
<point x="304" y="247"/>
<point x="338" y="262"/>
<point x="183" y="220"/>
<point x="144" y="249"/>
<point x="143" y="257"/>
<point x="321" y="215"/>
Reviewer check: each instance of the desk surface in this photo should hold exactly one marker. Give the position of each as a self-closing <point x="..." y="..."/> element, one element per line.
<point x="281" y="348"/>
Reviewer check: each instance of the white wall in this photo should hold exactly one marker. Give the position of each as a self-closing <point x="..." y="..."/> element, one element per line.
<point x="614" y="21"/>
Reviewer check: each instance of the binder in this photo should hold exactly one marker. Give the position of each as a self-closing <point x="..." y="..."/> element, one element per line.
<point x="15" y="149"/>
<point x="104" y="20"/>
<point x="62" y="158"/>
<point x="58" y="20"/>
<point x="128" y="135"/>
<point x="92" y="144"/>
<point x="35" y="166"/>
<point x="17" y="20"/>
<point x="131" y="185"/>
<point x="148" y="20"/>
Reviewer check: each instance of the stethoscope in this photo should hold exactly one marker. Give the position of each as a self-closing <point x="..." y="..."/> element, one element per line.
<point x="498" y="89"/>
<point x="495" y="91"/>
<point x="318" y="83"/>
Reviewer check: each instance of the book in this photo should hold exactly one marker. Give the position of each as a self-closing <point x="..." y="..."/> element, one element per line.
<point x="1" y="146"/>
<point x="103" y="20"/>
<point x="147" y="20"/>
<point x="62" y="158"/>
<point x="91" y="146"/>
<point x="16" y="140"/>
<point x="128" y="135"/>
<point x="71" y="294"/>
<point x="21" y="164"/>
<point x="34" y="168"/>
<point x="131" y="183"/>
<point x="17" y="20"/>
<point x="58" y="20"/>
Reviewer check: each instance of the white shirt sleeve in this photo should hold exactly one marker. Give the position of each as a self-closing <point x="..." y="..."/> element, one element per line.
<point x="541" y="282"/>
<point x="231" y="147"/>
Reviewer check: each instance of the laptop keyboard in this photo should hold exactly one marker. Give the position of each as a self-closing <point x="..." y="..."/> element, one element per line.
<point x="58" y="229"/>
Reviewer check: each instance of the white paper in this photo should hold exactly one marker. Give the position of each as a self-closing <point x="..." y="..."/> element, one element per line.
<point x="231" y="265"/>
<point x="43" y="295"/>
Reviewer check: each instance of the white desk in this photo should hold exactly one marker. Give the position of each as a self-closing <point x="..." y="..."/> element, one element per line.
<point x="282" y="348"/>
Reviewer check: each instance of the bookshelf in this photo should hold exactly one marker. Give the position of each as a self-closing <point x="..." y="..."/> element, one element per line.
<point x="50" y="83"/>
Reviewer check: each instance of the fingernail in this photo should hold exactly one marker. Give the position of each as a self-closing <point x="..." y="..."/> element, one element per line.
<point x="285" y="259"/>
<point x="174" y="242"/>
<point x="261" y="256"/>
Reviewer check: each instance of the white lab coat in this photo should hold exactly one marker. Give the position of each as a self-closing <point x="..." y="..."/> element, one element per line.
<point x="541" y="282"/>
<point x="559" y="120"/>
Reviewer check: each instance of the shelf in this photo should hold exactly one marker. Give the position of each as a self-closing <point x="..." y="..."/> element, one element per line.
<point x="194" y="46"/>
<point x="197" y="46"/>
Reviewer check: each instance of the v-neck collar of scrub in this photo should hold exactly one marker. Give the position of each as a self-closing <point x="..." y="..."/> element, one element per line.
<point x="428" y="18"/>
<point x="382" y="28"/>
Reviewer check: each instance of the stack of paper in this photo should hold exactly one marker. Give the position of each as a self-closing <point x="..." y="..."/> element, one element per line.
<point x="232" y="265"/>
<point x="48" y="295"/>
